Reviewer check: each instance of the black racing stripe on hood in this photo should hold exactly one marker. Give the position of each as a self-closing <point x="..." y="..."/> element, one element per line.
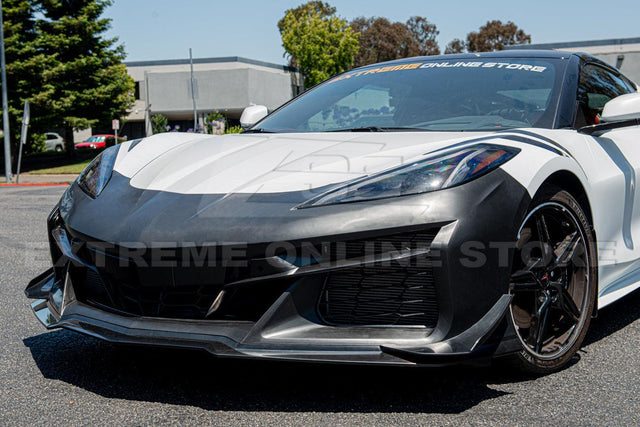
<point x="134" y="143"/>
<point x="544" y="138"/>
<point x="516" y="138"/>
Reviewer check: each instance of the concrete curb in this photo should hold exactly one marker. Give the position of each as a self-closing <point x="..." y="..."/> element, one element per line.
<point x="35" y="184"/>
<point x="41" y="179"/>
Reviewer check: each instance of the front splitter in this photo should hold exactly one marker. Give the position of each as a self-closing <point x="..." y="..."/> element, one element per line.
<point x="475" y="346"/>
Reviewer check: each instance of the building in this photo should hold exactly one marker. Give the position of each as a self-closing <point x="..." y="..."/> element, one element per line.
<point x="227" y="85"/>
<point x="230" y="84"/>
<point x="623" y="54"/>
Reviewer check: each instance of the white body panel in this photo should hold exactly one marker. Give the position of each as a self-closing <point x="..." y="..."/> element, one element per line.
<point x="624" y="107"/>
<point x="263" y="163"/>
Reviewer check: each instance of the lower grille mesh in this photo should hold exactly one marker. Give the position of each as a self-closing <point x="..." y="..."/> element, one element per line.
<point x="380" y="295"/>
<point x="188" y="302"/>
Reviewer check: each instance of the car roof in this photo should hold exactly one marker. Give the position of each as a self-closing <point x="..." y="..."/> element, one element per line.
<point x="529" y="53"/>
<point x="515" y="53"/>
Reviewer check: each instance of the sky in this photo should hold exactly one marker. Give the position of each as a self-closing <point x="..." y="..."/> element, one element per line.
<point x="166" y="29"/>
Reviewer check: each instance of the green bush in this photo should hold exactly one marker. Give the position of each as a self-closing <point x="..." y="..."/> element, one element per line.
<point x="233" y="129"/>
<point x="159" y="123"/>
<point x="214" y="121"/>
<point x="216" y="115"/>
<point x="35" y="143"/>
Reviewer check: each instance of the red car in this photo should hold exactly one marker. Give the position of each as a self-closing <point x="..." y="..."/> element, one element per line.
<point x="94" y="142"/>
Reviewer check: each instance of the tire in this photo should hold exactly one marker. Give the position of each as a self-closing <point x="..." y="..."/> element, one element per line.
<point x="553" y="283"/>
<point x="58" y="148"/>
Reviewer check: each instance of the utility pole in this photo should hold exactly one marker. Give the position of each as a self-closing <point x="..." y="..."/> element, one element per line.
<point x="193" y="95"/>
<point x="148" y="129"/>
<point x="5" y="105"/>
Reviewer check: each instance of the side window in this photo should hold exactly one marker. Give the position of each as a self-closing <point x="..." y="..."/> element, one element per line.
<point x="596" y="87"/>
<point x="50" y="136"/>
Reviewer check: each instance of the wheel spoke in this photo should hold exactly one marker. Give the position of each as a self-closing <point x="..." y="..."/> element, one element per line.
<point x="568" y="305"/>
<point x="545" y="238"/>
<point x="564" y="301"/>
<point x="525" y="286"/>
<point x="533" y="264"/>
<point x="566" y="249"/>
<point x="543" y="230"/>
<point x="541" y="326"/>
<point x="524" y="281"/>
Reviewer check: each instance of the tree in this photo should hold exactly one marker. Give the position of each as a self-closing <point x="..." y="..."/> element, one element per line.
<point x="85" y="82"/>
<point x="322" y="45"/>
<point x="24" y="65"/>
<point x="495" y="35"/>
<point x="455" y="46"/>
<point x="382" y="40"/>
<point x="424" y="34"/>
<point x="324" y="10"/>
<point x="321" y="8"/>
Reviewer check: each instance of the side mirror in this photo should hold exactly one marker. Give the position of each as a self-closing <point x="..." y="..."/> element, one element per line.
<point x="252" y="115"/>
<point x="623" y="107"/>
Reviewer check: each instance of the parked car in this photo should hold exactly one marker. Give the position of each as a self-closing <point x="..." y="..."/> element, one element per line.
<point x="53" y="142"/>
<point x="94" y="142"/>
<point x="431" y="210"/>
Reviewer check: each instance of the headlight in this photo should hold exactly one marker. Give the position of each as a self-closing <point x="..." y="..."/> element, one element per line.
<point x="97" y="174"/>
<point x="445" y="170"/>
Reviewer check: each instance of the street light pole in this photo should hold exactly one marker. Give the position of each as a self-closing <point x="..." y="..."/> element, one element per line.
<point x="193" y="94"/>
<point x="148" y="129"/>
<point x="5" y="105"/>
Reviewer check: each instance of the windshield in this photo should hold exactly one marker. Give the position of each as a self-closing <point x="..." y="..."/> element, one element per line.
<point x="470" y="95"/>
<point x="96" y="139"/>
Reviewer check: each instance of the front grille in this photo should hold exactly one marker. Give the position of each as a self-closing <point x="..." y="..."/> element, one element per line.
<point x="387" y="293"/>
<point x="188" y="302"/>
<point x="392" y="293"/>
<point x="380" y="296"/>
<point x="179" y="302"/>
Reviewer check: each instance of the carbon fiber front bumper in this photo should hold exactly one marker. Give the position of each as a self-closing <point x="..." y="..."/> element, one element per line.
<point x="280" y="334"/>
<point x="472" y="301"/>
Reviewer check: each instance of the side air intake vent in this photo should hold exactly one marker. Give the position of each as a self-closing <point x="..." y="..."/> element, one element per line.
<point x="398" y="293"/>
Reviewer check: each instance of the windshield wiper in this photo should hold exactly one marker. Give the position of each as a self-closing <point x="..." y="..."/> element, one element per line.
<point x="356" y="129"/>
<point x="379" y="129"/>
<point x="258" y="130"/>
<point x="361" y="129"/>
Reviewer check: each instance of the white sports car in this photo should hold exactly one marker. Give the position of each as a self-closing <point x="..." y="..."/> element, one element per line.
<point x="431" y="210"/>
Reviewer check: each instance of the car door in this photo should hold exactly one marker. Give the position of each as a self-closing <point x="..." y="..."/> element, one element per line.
<point x="617" y="191"/>
<point x="50" y="141"/>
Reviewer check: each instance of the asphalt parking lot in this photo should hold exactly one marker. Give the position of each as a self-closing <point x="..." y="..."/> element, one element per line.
<point x="62" y="377"/>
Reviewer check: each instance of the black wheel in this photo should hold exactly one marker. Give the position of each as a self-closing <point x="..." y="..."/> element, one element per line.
<point x="58" y="148"/>
<point x="553" y="282"/>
